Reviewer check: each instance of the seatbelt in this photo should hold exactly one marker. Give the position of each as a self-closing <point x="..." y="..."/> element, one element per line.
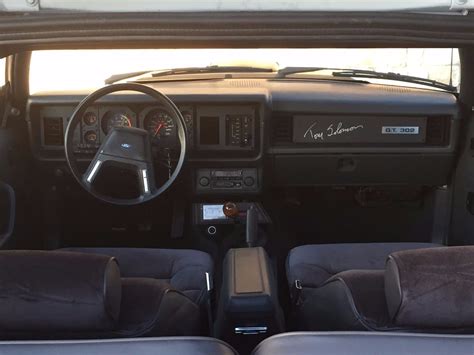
<point x="442" y="215"/>
<point x="209" y="302"/>
<point x="296" y="294"/>
<point x="5" y="94"/>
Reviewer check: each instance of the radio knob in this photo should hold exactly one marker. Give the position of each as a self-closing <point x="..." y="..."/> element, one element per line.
<point x="204" y="181"/>
<point x="249" y="181"/>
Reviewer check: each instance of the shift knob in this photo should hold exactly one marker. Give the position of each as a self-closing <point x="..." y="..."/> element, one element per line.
<point x="230" y="210"/>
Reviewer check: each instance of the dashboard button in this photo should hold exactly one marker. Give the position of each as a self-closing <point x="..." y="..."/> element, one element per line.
<point x="204" y="181"/>
<point x="249" y="181"/>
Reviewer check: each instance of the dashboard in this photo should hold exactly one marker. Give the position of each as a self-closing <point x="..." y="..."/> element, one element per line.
<point x="245" y="135"/>
<point x="208" y="127"/>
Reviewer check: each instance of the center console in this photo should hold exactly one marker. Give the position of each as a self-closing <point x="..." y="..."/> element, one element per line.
<point x="210" y="220"/>
<point x="248" y="309"/>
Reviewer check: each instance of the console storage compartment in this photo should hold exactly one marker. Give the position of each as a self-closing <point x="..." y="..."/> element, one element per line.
<point x="248" y="309"/>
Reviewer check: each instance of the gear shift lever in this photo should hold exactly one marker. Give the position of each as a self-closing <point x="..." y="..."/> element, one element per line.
<point x="252" y="227"/>
<point x="231" y="210"/>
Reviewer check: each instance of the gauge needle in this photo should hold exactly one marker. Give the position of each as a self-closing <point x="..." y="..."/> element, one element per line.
<point x="157" y="130"/>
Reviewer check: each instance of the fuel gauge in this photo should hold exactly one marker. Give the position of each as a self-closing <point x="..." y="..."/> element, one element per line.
<point x="90" y="137"/>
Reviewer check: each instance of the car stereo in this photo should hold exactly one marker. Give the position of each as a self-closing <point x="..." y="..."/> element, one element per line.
<point x="223" y="180"/>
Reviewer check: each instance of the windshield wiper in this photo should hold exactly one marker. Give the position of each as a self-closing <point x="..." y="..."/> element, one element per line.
<point x="122" y="76"/>
<point x="282" y="73"/>
<point x="368" y="74"/>
<point x="212" y="69"/>
<point x="191" y="70"/>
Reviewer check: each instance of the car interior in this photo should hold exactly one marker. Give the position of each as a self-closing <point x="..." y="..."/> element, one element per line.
<point x="322" y="206"/>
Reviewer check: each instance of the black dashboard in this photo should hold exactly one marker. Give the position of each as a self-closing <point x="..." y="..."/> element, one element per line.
<point x="244" y="134"/>
<point x="209" y="128"/>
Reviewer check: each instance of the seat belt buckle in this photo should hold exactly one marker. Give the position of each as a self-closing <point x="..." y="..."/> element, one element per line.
<point x="296" y="293"/>
<point x="210" y="301"/>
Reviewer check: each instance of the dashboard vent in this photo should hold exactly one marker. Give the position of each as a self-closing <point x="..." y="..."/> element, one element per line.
<point x="397" y="89"/>
<point x="53" y="131"/>
<point x="245" y="83"/>
<point x="282" y="129"/>
<point x="436" y="131"/>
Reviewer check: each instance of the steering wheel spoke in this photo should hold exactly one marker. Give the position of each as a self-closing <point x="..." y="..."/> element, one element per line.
<point x="147" y="181"/>
<point x="92" y="171"/>
<point x="125" y="147"/>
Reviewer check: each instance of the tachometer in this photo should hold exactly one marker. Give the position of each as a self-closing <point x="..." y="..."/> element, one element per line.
<point x="115" y="119"/>
<point x="160" y="124"/>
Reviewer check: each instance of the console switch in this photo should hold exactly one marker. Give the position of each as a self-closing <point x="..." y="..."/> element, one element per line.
<point x="239" y="130"/>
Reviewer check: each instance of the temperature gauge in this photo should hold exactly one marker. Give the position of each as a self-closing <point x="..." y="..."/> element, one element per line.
<point x="90" y="118"/>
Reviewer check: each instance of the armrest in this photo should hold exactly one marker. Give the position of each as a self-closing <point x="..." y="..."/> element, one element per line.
<point x="248" y="303"/>
<point x="250" y="285"/>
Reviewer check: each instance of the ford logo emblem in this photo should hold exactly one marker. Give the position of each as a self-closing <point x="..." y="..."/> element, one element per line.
<point x="126" y="146"/>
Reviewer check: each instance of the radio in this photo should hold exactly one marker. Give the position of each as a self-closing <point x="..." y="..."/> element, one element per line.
<point x="227" y="179"/>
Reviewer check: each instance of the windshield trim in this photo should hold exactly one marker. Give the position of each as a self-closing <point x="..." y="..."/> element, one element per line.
<point x="439" y="6"/>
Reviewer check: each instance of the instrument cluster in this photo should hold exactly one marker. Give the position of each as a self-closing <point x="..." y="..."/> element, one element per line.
<point x="97" y="122"/>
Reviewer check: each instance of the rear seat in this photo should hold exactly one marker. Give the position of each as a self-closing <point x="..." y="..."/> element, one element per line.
<point x="364" y="343"/>
<point x="143" y="346"/>
<point x="302" y="343"/>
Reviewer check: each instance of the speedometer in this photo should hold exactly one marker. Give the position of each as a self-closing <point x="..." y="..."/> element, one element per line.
<point x="115" y="119"/>
<point x="160" y="124"/>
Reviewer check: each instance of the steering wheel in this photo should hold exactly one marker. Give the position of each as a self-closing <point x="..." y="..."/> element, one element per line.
<point x="125" y="147"/>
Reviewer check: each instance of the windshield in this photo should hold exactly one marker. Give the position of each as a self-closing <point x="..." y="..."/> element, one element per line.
<point x="88" y="69"/>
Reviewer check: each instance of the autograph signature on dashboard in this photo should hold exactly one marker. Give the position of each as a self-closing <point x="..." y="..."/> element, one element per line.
<point x="330" y="131"/>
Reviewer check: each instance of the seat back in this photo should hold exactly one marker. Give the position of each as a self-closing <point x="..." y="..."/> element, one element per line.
<point x="148" y="346"/>
<point x="363" y="343"/>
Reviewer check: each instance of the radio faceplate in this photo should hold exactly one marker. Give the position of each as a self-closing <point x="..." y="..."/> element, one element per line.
<point x="225" y="180"/>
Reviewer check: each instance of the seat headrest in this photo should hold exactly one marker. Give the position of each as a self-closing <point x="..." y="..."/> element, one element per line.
<point x="431" y="288"/>
<point x="46" y="291"/>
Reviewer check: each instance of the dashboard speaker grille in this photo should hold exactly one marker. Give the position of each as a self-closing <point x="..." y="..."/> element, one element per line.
<point x="53" y="131"/>
<point x="282" y="129"/>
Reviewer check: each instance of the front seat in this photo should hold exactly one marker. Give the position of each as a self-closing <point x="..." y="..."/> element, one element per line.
<point x="420" y="290"/>
<point x="310" y="267"/>
<point x="70" y="295"/>
<point x="183" y="269"/>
